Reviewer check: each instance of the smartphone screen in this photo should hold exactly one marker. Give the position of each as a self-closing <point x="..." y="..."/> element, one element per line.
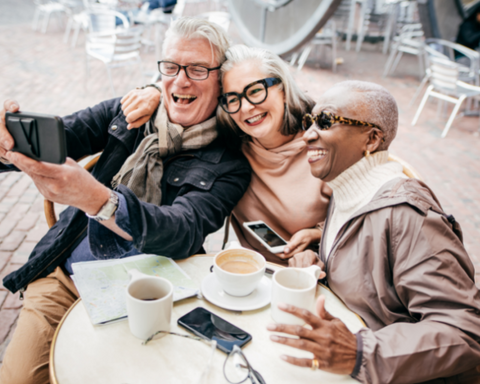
<point x="267" y="235"/>
<point x="205" y="324"/>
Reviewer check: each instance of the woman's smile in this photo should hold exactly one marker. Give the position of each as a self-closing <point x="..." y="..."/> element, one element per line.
<point x="257" y="119"/>
<point x="315" y="154"/>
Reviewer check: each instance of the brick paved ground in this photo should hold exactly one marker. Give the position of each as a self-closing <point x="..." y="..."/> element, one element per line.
<point x="45" y="75"/>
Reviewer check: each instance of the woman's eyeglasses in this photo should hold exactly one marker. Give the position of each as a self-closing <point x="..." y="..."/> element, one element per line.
<point x="256" y="93"/>
<point x="325" y="120"/>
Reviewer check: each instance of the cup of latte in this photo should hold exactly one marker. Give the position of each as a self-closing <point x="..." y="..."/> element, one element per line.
<point x="239" y="270"/>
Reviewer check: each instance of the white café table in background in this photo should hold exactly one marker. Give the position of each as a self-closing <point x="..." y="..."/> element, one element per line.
<point x="83" y="353"/>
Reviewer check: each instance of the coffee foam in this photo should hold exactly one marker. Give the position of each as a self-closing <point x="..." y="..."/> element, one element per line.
<point x="238" y="257"/>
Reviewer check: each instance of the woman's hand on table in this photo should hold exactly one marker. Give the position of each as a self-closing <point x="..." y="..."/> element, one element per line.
<point x="330" y="341"/>
<point x="138" y="105"/>
<point x="301" y="240"/>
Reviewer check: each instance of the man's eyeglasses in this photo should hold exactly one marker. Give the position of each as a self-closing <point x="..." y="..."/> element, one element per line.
<point x="194" y="72"/>
<point x="325" y="120"/>
<point x="236" y="367"/>
<point x="255" y="93"/>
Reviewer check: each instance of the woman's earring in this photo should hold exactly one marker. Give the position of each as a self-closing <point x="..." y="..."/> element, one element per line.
<point x="366" y="153"/>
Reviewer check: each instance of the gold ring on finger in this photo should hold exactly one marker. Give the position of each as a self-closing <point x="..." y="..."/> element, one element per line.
<point x="315" y="364"/>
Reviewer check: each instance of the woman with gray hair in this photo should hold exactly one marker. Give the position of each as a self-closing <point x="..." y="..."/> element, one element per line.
<point x="391" y="254"/>
<point x="260" y="111"/>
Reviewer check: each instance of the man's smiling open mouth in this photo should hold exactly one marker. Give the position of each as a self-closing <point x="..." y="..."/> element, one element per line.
<point x="183" y="99"/>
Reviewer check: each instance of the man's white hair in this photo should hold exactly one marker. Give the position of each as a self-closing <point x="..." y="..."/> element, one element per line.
<point x="296" y="102"/>
<point x="376" y="105"/>
<point x="195" y="28"/>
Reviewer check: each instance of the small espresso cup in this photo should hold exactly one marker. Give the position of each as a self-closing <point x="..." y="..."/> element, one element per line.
<point x="239" y="270"/>
<point x="295" y="286"/>
<point x="149" y="304"/>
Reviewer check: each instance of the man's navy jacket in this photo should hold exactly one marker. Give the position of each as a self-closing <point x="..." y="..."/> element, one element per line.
<point x="200" y="188"/>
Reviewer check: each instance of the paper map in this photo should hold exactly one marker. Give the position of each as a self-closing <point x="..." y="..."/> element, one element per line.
<point x="102" y="284"/>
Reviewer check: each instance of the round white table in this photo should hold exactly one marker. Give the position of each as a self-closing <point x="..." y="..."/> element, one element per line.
<point x="83" y="353"/>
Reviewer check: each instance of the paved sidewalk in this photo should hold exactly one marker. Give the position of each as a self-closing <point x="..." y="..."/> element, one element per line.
<point x="46" y="75"/>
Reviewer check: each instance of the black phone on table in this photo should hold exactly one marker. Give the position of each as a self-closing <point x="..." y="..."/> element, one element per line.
<point x="207" y="325"/>
<point x="38" y="136"/>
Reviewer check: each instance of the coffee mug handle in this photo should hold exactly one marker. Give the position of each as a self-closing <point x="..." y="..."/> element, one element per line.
<point x="314" y="270"/>
<point x="135" y="274"/>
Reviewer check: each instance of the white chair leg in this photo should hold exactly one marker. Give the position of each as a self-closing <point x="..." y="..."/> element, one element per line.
<point x="36" y="16"/>
<point x="293" y="59"/>
<point x="422" y="104"/>
<point x="389" y="62"/>
<point x="45" y="22"/>
<point x="397" y="61"/>
<point x="67" y="30"/>
<point x="75" y="35"/>
<point x="351" y="20"/>
<point x="334" y="53"/>
<point x="419" y="89"/>
<point x="452" y="116"/>
<point x="303" y="57"/>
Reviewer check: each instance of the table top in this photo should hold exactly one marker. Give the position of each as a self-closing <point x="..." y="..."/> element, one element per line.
<point x="84" y="353"/>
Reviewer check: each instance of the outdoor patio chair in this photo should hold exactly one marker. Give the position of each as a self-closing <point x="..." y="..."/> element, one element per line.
<point x="45" y="9"/>
<point x="115" y="49"/>
<point x="373" y="20"/>
<point x="446" y="49"/>
<point x="409" y="41"/>
<point x="445" y="85"/>
<point x="326" y="37"/>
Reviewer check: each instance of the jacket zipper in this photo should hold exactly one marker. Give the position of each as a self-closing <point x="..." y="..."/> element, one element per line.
<point x="21" y="290"/>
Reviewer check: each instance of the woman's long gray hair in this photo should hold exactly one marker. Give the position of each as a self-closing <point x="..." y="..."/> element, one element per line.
<point x="296" y="102"/>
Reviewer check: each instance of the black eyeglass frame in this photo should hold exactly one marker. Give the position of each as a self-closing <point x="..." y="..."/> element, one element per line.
<point x="268" y="82"/>
<point x="325" y="120"/>
<point x="254" y="376"/>
<point x="184" y="67"/>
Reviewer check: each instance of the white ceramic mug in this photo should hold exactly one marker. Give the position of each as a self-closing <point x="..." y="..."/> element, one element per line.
<point x="149" y="304"/>
<point x="295" y="286"/>
<point x="239" y="284"/>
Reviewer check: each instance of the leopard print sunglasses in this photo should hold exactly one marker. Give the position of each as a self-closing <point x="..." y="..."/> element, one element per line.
<point x="325" y="120"/>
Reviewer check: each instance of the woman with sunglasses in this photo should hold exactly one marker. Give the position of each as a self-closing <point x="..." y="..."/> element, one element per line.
<point x="391" y="254"/>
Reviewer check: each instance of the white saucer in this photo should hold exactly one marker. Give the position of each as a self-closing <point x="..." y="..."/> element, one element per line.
<point x="214" y="293"/>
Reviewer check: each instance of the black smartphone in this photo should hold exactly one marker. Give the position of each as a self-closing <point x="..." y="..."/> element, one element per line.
<point x="38" y="136"/>
<point x="207" y="325"/>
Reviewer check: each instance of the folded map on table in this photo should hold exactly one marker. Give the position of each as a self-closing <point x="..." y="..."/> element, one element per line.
<point x="102" y="284"/>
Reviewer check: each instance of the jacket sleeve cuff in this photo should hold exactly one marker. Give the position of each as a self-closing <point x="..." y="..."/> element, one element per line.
<point x="359" y="358"/>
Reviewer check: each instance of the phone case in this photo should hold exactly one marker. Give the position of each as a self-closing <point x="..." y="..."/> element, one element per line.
<point x="38" y="136"/>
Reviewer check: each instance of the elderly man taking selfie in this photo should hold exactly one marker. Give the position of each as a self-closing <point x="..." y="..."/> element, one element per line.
<point x="389" y="252"/>
<point x="161" y="189"/>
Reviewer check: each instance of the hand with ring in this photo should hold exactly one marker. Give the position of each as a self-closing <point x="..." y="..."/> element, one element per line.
<point x="333" y="346"/>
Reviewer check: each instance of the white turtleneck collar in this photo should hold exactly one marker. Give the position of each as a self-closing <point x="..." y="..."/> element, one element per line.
<point x="355" y="187"/>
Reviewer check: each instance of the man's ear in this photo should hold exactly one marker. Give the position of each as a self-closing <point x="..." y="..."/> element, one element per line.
<point x="375" y="139"/>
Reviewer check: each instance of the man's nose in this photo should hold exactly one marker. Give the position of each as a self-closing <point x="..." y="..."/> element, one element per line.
<point x="182" y="79"/>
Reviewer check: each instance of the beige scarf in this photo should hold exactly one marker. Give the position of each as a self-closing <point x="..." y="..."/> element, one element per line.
<point x="142" y="172"/>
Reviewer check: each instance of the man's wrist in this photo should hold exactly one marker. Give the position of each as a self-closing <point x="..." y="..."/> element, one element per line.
<point x="99" y="198"/>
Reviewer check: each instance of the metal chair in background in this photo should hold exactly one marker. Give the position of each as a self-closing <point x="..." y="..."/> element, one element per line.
<point x="327" y="36"/>
<point x="45" y="9"/>
<point x="373" y="21"/>
<point x="409" y="41"/>
<point x="445" y="85"/>
<point x="115" y="47"/>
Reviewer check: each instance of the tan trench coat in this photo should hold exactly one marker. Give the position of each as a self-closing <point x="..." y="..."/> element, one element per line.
<point x="400" y="266"/>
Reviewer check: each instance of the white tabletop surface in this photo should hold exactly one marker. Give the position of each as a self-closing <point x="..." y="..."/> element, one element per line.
<point x="84" y="353"/>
